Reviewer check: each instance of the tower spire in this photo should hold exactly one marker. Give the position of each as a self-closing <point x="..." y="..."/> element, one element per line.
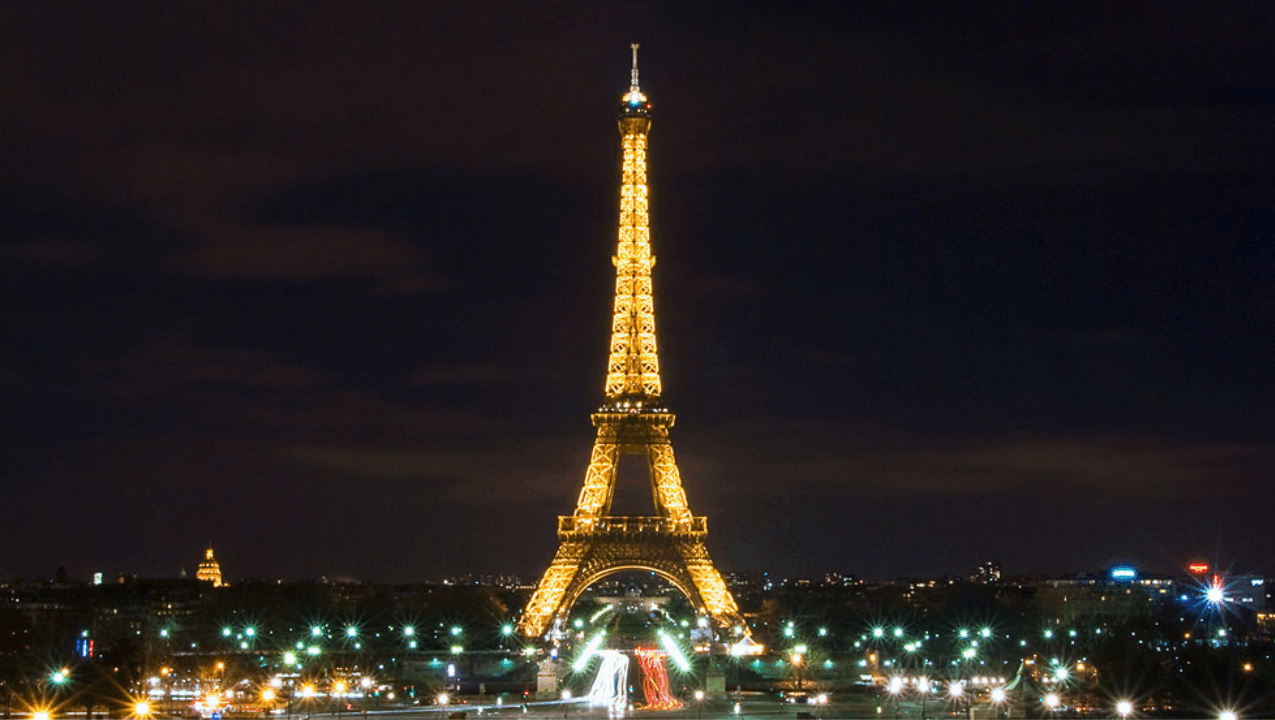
<point x="633" y="85"/>
<point x="633" y="368"/>
<point x="634" y="102"/>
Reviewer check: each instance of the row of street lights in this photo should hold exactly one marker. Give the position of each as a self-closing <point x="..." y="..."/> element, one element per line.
<point x="956" y="690"/>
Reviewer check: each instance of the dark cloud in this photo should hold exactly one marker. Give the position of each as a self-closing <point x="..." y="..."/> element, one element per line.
<point x="935" y="283"/>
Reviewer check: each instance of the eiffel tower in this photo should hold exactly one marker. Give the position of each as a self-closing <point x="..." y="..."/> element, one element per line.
<point x="632" y="421"/>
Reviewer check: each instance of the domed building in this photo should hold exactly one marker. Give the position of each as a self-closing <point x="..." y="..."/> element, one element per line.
<point x="209" y="570"/>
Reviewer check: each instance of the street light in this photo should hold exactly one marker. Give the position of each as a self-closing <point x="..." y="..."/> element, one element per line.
<point x="1227" y="715"/>
<point x="894" y="688"/>
<point x="699" y="703"/>
<point x="1124" y="708"/>
<point x="1051" y="701"/>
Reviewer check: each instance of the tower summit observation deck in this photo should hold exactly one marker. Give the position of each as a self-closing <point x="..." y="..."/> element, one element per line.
<point x="632" y="420"/>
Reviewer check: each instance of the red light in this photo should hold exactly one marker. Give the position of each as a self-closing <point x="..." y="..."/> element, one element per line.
<point x="655" y="680"/>
<point x="1198" y="568"/>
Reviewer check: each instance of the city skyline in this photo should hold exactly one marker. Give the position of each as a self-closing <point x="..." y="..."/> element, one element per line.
<point x="330" y="290"/>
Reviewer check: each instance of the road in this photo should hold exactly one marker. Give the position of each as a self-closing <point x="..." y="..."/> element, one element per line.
<point x="756" y="707"/>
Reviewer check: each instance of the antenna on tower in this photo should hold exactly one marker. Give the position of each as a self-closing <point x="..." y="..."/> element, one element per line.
<point x="635" y="75"/>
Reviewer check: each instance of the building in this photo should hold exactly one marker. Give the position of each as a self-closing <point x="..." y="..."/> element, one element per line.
<point x="209" y="569"/>
<point x="987" y="573"/>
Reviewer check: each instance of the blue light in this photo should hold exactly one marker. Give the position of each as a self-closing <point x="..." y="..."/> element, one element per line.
<point x="1123" y="572"/>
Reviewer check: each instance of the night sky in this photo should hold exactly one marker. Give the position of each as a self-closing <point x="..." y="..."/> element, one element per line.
<point x="329" y="285"/>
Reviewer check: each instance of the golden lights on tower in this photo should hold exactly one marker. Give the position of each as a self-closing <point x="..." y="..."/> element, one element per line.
<point x="631" y="421"/>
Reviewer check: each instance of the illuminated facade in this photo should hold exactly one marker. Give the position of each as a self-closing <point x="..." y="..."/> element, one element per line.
<point x="632" y="421"/>
<point x="209" y="569"/>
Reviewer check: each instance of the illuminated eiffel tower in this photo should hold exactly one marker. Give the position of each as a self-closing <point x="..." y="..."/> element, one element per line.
<point x="631" y="421"/>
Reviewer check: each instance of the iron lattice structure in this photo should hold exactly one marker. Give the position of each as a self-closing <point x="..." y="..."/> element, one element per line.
<point x="632" y="421"/>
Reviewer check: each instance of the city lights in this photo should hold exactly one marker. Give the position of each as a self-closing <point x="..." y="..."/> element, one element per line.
<point x="1125" y="636"/>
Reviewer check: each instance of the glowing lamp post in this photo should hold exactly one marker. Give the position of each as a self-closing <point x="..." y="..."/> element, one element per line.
<point x="699" y="703"/>
<point x="956" y="691"/>
<point x="894" y="688"/>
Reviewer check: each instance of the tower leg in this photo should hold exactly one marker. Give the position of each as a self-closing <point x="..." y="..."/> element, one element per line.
<point x="712" y="588"/>
<point x="552" y="589"/>
<point x="599" y="479"/>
